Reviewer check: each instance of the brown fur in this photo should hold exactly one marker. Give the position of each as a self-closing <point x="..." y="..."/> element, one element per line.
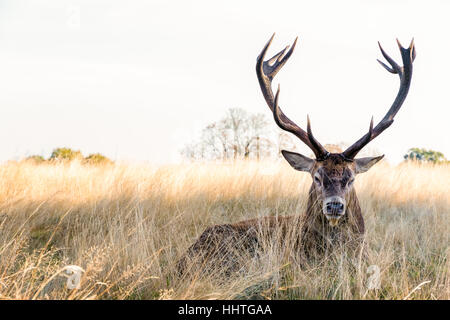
<point x="313" y="233"/>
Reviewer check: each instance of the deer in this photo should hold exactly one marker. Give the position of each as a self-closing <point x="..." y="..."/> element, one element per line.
<point x="333" y="215"/>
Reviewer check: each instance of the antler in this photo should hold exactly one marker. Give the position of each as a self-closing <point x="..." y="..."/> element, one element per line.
<point x="266" y="71"/>
<point x="405" y="74"/>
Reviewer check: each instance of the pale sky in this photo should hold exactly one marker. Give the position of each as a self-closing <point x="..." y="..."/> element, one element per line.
<point x="136" y="80"/>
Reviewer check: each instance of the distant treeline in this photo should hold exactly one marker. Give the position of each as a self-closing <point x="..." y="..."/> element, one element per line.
<point x="425" y="155"/>
<point x="67" y="154"/>
<point x="243" y="135"/>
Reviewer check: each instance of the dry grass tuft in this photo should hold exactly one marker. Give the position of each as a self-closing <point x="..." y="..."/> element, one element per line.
<point x="126" y="226"/>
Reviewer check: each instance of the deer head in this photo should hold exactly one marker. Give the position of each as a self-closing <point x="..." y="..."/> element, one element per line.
<point x="332" y="173"/>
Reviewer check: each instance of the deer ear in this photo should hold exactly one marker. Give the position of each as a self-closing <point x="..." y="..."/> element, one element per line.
<point x="364" y="164"/>
<point x="298" y="161"/>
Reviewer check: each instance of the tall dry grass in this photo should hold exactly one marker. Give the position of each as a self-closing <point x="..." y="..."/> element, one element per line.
<point x="126" y="226"/>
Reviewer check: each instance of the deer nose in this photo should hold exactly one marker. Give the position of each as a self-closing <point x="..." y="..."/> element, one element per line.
<point x="335" y="207"/>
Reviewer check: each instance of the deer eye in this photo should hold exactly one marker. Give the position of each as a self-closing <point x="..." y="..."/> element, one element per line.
<point x="316" y="179"/>
<point x="351" y="181"/>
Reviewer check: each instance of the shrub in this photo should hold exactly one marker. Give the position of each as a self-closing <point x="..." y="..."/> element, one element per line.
<point x="418" y="154"/>
<point x="97" y="158"/>
<point x="65" y="154"/>
<point x="35" y="158"/>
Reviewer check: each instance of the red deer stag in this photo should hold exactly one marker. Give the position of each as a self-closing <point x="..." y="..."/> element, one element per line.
<point x="333" y="215"/>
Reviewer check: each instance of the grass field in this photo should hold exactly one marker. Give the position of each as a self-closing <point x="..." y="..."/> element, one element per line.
<point x="126" y="226"/>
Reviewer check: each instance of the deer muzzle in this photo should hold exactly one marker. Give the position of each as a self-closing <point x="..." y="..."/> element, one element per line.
<point x="334" y="209"/>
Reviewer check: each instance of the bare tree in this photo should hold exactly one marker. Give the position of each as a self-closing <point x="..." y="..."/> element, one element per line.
<point x="239" y="135"/>
<point x="284" y="141"/>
